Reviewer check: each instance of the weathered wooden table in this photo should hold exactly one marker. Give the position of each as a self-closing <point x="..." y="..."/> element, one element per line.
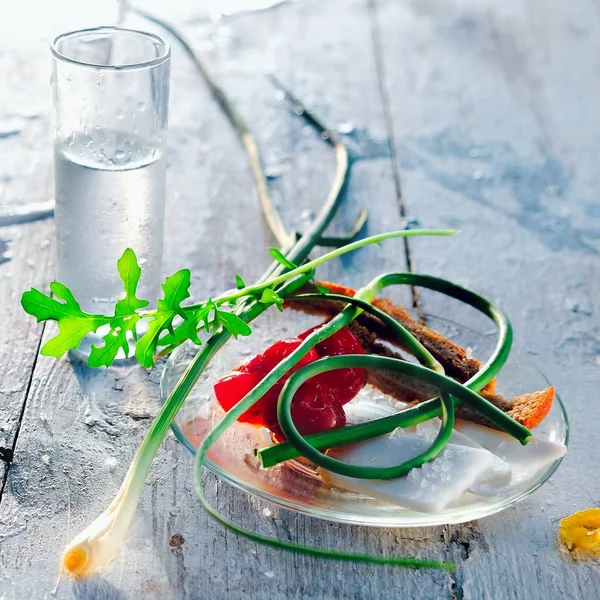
<point x="477" y="115"/>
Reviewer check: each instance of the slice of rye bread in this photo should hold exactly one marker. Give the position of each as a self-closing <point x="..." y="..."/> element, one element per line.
<point x="528" y="409"/>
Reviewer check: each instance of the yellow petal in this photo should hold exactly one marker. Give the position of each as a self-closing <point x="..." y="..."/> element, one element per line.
<point x="580" y="533"/>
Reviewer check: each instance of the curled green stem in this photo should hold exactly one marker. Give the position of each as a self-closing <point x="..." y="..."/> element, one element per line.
<point x="323" y="365"/>
<point x="425" y="411"/>
<point x="443" y="383"/>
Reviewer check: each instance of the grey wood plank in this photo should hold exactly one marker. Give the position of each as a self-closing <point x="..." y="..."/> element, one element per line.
<point x="492" y="108"/>
<point x="80" y="427"/>
<point x="25" y="257"/>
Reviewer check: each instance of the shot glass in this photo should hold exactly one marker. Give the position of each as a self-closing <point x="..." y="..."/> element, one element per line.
<point x="111" y="96"/>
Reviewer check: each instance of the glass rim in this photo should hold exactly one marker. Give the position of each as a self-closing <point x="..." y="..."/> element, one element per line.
<point x="153" y="62"/>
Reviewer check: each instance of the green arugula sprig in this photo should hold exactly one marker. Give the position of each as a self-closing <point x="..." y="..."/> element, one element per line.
<point x="170" y="324"/>
<point x="74" y="324"/>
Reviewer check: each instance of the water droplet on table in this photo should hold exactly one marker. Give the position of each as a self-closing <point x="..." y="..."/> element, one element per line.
<point x="345" y="128"/>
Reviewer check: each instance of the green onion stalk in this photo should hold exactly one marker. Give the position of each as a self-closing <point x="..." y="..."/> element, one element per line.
<point x="99" y="542"/>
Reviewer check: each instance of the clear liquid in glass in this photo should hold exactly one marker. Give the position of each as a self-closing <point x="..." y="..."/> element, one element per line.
<point x="109" y="197"/>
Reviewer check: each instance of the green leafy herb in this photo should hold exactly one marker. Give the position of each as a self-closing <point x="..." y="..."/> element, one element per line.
<point x="176" y="289"/>
<point x="171" y="323"/>
<point x="232" y="323"/>
<point x="126" y="308"/>
<point x="130" y="273"/>
<point x="269" y="296"/>
<point x="281" y="259"/>
<point x="73" y="323"/>
<point x="239" y="282"/>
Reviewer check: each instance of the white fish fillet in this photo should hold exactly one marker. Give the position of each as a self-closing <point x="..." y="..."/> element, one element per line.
<point x="477" y="459"/>
<point x="524" y="461"/>
<point x="427" y="489"/>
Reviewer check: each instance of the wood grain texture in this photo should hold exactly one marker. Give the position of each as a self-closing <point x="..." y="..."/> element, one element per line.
<point x="80" y="427"/>
<point x="25" y="252"/>
<point x="496" y="133"/>
<point x="492" y="111"/>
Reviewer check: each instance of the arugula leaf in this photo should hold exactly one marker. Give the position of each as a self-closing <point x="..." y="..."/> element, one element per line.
<point x="239" y="282"/>
<point x="73" y="323"/>
<point x="232" y="323"/>
<point x="130" y="273"/>
<point x="281" y="259"/>
<point x="187" y="329"/>
<point x="116" y="338"/>
<point x="176" y="289"/>
<point x="270" y="296"/>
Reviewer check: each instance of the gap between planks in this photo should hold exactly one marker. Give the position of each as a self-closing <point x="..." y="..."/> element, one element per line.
<point x="455" y="549"/>
<point x="389" y="125"/>
<point x="22" y="413"/>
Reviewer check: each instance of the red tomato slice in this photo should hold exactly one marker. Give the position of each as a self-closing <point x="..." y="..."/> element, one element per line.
<point x="274" y="354"/>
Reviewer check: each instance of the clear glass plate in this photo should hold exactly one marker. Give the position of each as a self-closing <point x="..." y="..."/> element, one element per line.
<point x="296" y="486"/>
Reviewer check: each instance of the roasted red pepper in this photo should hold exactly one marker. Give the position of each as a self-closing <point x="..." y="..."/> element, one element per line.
<point x="232" y="388"/>
<point x="317" y="405"/>
<point x="343" y="384"/>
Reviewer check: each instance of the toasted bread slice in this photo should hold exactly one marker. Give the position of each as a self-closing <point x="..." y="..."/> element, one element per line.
<point x="453" y="358"/>
<point x="529" y="409"/>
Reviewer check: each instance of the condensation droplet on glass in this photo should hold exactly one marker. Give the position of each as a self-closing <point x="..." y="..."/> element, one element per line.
<point x="325" y="135"/>
<point x="477" y="174"/>
<point x="267" y="512"/>
<point x="279" y="95"/>
<point x="269" y="574"/>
